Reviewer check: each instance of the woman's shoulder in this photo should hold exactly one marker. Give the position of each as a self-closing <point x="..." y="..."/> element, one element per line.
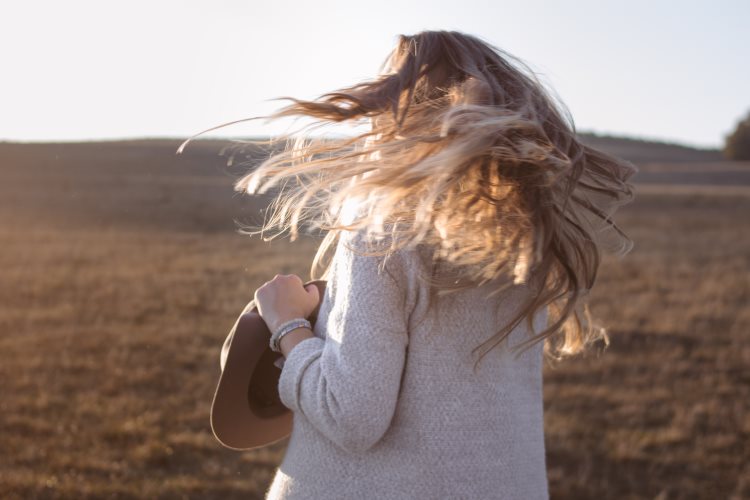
<point x="380" y="250"/>
<point x="362" y="261"/>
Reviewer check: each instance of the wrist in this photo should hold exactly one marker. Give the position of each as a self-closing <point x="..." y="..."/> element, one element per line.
<point x="291" y="339"/>
<point x="275" y="324"/>
<point x="285" y="329"/>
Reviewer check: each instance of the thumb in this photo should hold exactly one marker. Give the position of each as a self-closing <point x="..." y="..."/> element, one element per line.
<point x="313" y="293"/>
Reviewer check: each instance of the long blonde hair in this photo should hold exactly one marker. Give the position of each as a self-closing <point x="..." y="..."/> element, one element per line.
<point x="469" y="156"/>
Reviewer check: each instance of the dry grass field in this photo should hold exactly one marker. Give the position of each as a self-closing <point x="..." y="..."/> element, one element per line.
<point x="122" y="273"/>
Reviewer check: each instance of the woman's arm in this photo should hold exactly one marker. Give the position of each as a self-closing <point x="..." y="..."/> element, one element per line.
<point x="291" y="339"/>
<point x="347" y="385"/>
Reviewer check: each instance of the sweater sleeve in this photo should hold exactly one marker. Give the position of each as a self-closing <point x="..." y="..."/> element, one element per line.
<point x="347" y="384"/>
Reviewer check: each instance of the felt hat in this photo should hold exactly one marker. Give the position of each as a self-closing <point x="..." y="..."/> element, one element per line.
<point x="246" y="411"/>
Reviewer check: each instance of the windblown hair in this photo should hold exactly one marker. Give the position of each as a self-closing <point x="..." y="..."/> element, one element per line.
<point x="467" y="155"/>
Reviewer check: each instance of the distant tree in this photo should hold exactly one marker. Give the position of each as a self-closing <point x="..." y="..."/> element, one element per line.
<point x="737" y="144"/>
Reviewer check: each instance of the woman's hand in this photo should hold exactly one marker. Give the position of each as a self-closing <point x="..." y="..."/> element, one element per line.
<point x="284" y="298"/>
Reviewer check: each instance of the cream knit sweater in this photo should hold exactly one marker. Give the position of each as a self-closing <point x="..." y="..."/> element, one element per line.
<point x="387" y="407"/>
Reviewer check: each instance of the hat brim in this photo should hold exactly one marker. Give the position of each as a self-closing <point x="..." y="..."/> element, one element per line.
<point x="246" y="411"/>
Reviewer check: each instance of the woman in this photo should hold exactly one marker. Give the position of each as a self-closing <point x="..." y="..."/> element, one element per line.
<point x="468" y="219"/>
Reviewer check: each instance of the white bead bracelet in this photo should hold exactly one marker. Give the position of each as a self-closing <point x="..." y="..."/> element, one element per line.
<point x="285" y="328"/>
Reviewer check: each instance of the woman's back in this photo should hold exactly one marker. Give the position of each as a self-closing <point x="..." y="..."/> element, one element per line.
<point x="387" y="401"/>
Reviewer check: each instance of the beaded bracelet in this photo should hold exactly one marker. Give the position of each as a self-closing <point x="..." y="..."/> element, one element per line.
<point x="285" y="328"/>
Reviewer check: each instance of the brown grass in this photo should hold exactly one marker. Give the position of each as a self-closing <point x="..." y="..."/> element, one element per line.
<point x="122" y="275"/>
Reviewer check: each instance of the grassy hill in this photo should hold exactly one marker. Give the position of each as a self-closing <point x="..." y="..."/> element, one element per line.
<point x="640" y="151"/>
<point x="123" y="272"/>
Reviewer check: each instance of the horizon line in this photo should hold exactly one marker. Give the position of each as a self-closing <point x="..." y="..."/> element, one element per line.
<point x="609" y="135"/>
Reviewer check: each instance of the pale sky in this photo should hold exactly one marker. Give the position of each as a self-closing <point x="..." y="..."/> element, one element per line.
<point x="673" y="70"/>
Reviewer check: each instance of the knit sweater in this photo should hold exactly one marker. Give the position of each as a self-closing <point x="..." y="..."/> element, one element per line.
<point x="385" y="403"/>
